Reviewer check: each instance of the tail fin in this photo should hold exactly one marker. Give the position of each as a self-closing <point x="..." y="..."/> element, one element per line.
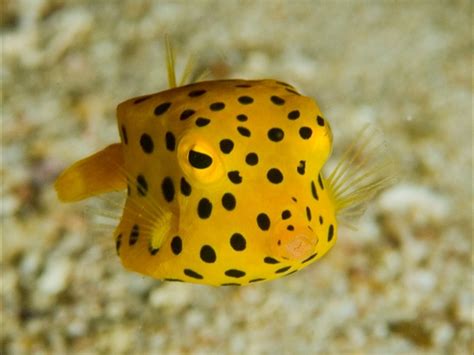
<point x="97" y="174"/>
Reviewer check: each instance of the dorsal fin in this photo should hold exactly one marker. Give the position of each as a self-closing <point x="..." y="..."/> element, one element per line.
<point x="188" y="75"/>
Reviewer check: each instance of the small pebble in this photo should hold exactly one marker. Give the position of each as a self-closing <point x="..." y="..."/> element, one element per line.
<point x="54" y="278"/>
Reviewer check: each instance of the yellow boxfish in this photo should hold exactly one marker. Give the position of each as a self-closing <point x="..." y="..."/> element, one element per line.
<point x="224" y="182"/>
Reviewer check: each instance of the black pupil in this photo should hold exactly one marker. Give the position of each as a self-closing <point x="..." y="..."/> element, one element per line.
<point x="199" y="160"/>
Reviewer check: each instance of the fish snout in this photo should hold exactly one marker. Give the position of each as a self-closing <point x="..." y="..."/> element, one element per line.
<point x="293" y="242"/>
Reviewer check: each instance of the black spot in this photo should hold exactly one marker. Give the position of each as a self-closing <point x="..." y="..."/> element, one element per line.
<point x="293" y="91"/>
<point x="274" y="176"/>
<point x="234" y="176"/>
<point x="320" y="121"/>
<point x="226" y="146"/>
<point x="204" y="208"/>
<point x="201" y="121"/>
<point x="313" y="191"/>
<point x="176" y="245"/>
<point x="238" y="242"/>
<point x="142" y="185"/>
<point x="196" y="93"/>
<point x="301" y="168"/>
<point x="217" y="106"/>
<point x="275" y="134"/>
<point x="231" y="284"/>
<point x="293" y="115"/>
<point x="270" y="260"/>
<point x="305" y="132"/>
<point x="283" y="269"/>
<point x="118" y="243"/>
<point x="186" y="114"/>
<point x="330" y="232"/>
<point x="124" y="134"/>
<point x="245" y="100"/>
<point x="243" y="131"/>
<point x="193" y="274"/>
<point x="277" y="100"/>
<point x="320" y="181"/>
<point x="257" y="280"/>
<point x="153" y="251"/>
<point x="134" y="234"/>
<point x="207" y="254"/>
<point x="242" y="118"/>
<point x="147" y="143"/>
<point x="251" y="159"/>
<point x="263" y="222"/>
<point x="294" y="199"/>
<point x="290" y="228"/>
<point x="243" y="86"/>
<point x="235" y="273"/>
<point x="161" y="109"/>
<point x="283" y="83"/>
<point x="308" y="213"/>
<point x="309" y="258"/>
<point x="141" y="99"/>
<point x="228" y="201"/>
<point x="285" y="214"/>
<point x="199" y="160"/>
<point x="167" y="187"/>
<point x="321" y="220"/>
<point x="185" y="187"/>
<point x="173" y="280"/>
<point x="170" y="141"/>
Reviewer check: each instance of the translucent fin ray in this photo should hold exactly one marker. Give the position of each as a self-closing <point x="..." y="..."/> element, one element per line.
<point x="364" y="169"/>
<point x="170" y="63"/>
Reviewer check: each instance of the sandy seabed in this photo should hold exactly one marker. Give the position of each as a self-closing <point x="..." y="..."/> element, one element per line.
<point x="400" y="284"/>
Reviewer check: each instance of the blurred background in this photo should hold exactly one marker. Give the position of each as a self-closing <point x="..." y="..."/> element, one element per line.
<point x="400" y="284"/>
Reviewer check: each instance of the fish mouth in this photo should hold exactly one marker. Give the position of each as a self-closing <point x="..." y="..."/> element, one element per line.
<point x="293" y="242"/>
<point x="299" y="247"/>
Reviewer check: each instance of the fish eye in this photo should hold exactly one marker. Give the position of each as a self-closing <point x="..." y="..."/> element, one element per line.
<point x="199" y="160"/>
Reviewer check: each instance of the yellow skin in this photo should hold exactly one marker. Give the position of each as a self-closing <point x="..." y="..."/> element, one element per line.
<point x="177" y="161"/>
